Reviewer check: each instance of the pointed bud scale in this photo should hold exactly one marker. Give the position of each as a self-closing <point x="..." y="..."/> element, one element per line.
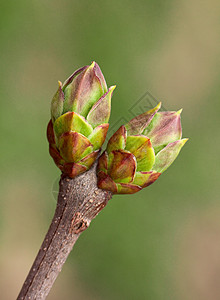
<point x="139" y="123"/>
<point x="141" y="148"/>
<point x="71" y="121"/>
<point x="56" y="156"/>
<point x="97" y="137"/>
<point x="129" y="160"/>
<point x="100" y="112"/>
<point x="89" y="159"/>
<point x="164" y="128"/>
<point x="166" y="156"/>
<point x="72" y="145"/>
<point x="122" y="166"/>
<point x="99" y="74"/>
<point x="106" y="183"/>
<point x="103" y="162"/>
<point x="69" y="80"/>
<point x="70" y="88"/>
<point x="73" y="169"/>
<point x="50" y="133"/>
<point x="80" y="111"/>
<point x="134" y="142"/>
<point x="84" y="91"/>
<point x="144" y="179"/>
<point x="126" y="188"/>
<point x="57" y="103"/>
<point x="118" y="140"/>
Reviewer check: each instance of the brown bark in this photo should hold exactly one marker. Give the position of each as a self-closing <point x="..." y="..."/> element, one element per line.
<point x="79" y="201"/>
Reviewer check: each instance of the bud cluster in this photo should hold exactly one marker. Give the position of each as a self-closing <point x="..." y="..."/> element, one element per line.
<point x="136" y="154"/>
<point x="140" y="151"/>
<point x="80" y="111"/>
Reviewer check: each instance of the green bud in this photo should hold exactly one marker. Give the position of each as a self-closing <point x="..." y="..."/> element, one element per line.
<point x="140" y="151"/>
<point x="80" y="111"/>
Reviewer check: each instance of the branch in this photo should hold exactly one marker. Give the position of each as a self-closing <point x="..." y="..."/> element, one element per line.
<point x="79" y="201"/>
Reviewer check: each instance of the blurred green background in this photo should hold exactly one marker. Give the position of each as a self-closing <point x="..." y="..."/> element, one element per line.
<point x="162" y="243"/>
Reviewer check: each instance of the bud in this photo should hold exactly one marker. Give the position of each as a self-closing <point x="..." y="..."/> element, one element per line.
<point x="140" y="151"/>
<point x="80" y="111"/>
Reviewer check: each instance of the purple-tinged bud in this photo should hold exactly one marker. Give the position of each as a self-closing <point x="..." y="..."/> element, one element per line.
<point x="80" y="111"/>
<point x="85" y="89"/>
<point x="164" y="128"/>
<point x="139" y="123"/>
<point x="129" y="162"/>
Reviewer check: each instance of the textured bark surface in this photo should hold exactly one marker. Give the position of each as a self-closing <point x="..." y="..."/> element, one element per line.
<point x="79" y="201"/>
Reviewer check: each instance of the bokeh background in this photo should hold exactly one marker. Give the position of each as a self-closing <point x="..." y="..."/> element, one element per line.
<point x="162" y="243"/>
